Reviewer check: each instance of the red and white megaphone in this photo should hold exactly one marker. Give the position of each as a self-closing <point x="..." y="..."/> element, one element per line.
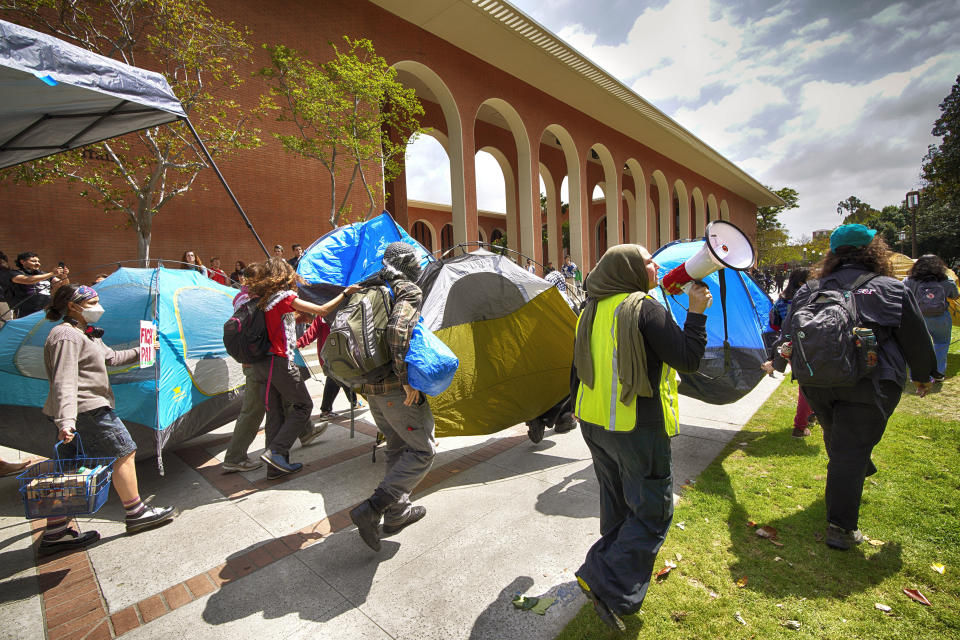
<point x="726" y="247"/>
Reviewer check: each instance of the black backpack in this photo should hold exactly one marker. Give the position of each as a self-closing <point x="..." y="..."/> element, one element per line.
<point x="356" y="351"/>
<point x="245" y="334"/>
<point x="829" y="349"/>
<point x="931" y="298"/>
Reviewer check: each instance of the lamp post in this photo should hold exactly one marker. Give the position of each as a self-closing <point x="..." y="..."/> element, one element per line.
<point x="913" y="203"/>
<point x="804" y="256"/>
<point x="903" y="238"/>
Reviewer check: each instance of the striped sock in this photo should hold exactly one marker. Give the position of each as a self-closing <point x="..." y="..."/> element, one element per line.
<point x="56" y="528"/>
<point x="134" y="508"/>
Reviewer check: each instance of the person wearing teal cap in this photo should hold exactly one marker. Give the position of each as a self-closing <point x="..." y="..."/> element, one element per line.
<point x="851" y="235"/>
<point x="854" y="418"/>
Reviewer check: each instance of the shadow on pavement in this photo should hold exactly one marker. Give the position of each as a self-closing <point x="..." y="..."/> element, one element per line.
<point x="290" y="586"/>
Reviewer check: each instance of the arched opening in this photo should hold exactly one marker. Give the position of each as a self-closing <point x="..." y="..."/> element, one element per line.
<point x="427" y="168"/>
<point x="699" y="212"/>
<point x="600" y="237"/>
<point x="423" y="234"/>
<point x="638" y="212"/>
<point x="660" y="197"/>
<point x="611" y="178"/>
<point x="724" y="211"/>
<point x="681" y="205"/>
<point x="446" y="238"/>
<point x="432" y="89"/>
<point x="576" y="217"/>
<point x="496" y="189"/>
<point x="713" y="212"/>
<point x="550" y="216"/>
<point x="498" y="111"/>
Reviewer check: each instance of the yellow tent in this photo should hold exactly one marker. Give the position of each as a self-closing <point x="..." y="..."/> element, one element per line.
<point x="901" y="268"/>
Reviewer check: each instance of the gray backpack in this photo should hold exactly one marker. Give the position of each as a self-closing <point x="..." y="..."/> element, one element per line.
<point x="829" y="348"/>
<point x="356" y="351"/>
<point x="931" y="298"/>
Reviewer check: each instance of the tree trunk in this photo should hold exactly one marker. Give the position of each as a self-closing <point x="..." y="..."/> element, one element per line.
<point x="144" y="232"/>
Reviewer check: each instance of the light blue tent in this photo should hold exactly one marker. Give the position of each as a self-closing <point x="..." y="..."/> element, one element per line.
<point x="194" y="387"/>
<point x="350" y="254"/>
<point x="735" y="343"/>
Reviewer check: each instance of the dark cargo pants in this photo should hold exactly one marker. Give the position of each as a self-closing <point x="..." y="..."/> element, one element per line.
<point x="853" y="421"/>
<point x="636" y="506"/>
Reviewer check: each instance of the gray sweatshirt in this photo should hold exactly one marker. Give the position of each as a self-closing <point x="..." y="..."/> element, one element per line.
<point x="77" y="371"/>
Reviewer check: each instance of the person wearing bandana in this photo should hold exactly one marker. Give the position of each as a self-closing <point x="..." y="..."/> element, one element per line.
<point x="80" y="402"/>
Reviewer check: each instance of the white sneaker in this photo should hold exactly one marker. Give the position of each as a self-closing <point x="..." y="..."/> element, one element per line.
<point x="315" y="432"/>
<point x="246" y="465"/>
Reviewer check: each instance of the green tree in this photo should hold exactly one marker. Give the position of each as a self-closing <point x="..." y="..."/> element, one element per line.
<point x="772" y="236"/>
<point x="197" y="53"/>
<point x="938" y="217"/>
<point x="350" y="114"/>
<point x="858" y="212"/>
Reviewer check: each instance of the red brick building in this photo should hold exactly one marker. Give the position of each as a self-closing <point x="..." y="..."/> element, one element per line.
<point x="490" y="79"/>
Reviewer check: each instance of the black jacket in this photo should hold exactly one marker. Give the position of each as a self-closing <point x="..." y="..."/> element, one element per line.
<point x="889" y="308"/>
<point x="664" y="341"/>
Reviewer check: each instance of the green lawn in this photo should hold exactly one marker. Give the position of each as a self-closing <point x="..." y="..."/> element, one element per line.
<point x="910" y="511"/>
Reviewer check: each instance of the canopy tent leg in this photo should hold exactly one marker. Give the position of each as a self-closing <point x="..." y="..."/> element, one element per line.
<point x="213" y="164"/>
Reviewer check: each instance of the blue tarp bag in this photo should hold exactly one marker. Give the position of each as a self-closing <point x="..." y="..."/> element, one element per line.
<point x="430" y="363"/>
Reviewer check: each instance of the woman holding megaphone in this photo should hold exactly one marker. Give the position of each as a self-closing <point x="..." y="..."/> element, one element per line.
<point x="626" y="354"/>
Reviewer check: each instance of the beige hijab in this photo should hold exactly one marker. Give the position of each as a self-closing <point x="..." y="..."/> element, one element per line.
<point x="620" y="270"/>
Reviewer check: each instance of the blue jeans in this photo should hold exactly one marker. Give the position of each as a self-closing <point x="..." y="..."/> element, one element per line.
<point x="939" y="328"/>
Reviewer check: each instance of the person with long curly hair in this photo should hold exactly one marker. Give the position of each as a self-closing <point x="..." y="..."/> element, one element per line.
<point x="287" y="400"/>
<point x="854" y="418"/>
<point x="929" y="283"/>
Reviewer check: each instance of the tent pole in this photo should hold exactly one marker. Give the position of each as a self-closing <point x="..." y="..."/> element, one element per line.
<point x="216" y="169"/>
<point x="156" y="366"/>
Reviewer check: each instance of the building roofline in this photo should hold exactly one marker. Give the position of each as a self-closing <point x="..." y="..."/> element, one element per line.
<point x="573" y="78"/>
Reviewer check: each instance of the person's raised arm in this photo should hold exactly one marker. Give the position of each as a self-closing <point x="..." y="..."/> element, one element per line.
<point x="34" y="279"/>
<point x="325" y="309"/>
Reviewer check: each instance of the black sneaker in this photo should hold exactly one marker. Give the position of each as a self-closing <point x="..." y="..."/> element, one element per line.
<point x="150" y="517"/>
<point x="368" y="524"/>
<point x="604" y="612"/>
<point x="416" y="513"/>
<point x="71" y="539"/>
<point x="565" y="424"/>
<point x="843" y="539"/>
<point x="535" y="431"/>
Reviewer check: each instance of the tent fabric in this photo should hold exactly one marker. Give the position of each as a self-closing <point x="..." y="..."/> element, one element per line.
<point x="512" y="368"/>
<point x="350" y="254"/>
<point x="725" y="374"/>
<point x="513" y="333"/>
<point x="57" y="96"/>
<point x="199" y="385"/>
<point x="479" y="285"/>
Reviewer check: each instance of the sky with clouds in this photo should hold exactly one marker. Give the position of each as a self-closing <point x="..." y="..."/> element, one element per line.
<point x="833" y="98"/>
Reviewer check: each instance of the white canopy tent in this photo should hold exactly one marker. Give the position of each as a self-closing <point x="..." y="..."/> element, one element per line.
<point x="55" y="96"/>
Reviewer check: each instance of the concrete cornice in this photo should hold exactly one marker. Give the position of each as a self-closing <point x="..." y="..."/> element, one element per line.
<point x="437" y="206"/>
<point x="502" y="35"/>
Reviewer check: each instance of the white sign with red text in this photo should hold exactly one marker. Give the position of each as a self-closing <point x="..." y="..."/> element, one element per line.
<point x="148" y="334"/>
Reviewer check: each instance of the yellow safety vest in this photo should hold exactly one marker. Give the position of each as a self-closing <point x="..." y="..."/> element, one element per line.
<point x="601" y="405"/>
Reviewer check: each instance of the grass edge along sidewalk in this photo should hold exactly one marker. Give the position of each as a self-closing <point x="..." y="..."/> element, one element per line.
<point x="731" y="583"/>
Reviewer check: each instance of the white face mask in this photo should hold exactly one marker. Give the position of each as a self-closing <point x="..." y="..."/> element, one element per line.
<point x="92" y="314"/>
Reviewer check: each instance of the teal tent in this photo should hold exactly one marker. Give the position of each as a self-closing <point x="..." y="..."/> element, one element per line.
<point x="192" y="389"/>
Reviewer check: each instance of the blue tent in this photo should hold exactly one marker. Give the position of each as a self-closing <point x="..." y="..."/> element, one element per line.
<point x="735" y="340"/>
<point x="350" y="254"/>
<point x="194" y="387"/>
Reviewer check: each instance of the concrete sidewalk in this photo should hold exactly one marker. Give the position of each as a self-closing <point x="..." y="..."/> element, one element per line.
<point x="255" y="558"/>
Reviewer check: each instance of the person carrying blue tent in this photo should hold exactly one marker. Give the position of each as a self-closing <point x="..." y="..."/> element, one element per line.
<point x="625" y="396"/>
<point x="80" y="402"/>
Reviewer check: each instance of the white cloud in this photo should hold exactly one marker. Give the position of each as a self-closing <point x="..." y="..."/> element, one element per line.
<point x="491" y="186"/>
<point x="428" y="171"/>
